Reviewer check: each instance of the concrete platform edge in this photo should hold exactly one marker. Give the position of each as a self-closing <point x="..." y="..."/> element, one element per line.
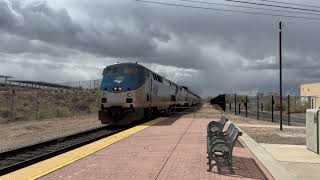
<point x="269" y="162"/>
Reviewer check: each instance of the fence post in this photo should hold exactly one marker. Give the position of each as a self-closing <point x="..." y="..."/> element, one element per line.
<point x="12" y="106"/>
<point x="230" y="106"/>
<point x="272" y="104"/>
<point x="37" y="106"/>
<point x="246" y="106"/>
<point x="239" y="108"/>
<point x="57" y="106"/>
<point x="235" y="104"/>
<point x="261" y="107"/>
<point x="258" y="106"/>
<point x="288" y="110"/>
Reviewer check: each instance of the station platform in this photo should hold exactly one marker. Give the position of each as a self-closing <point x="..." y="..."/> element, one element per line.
<point x="168" y="148"/>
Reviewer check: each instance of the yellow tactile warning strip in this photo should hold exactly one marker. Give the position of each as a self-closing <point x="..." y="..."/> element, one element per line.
<point x="45" y="167"/>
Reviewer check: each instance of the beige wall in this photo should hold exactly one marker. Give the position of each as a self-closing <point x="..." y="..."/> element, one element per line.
<point x="312" y="89"/>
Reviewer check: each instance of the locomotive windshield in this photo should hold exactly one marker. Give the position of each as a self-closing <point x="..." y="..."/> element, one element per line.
<point x="120" y="70"/>
<point x="125" y="76"/>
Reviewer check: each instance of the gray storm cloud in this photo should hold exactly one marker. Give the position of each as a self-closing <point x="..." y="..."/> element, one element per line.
<point x="209" y="51"/>
<point x="38" y="20"/>
<point x="8" y="16"/>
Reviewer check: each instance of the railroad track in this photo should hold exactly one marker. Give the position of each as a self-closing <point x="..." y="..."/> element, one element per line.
<point x="21" y="157"/>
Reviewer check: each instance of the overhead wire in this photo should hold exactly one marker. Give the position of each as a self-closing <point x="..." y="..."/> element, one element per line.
<point x="296" y="4"/>
<point x="272" y="5"/>
<point x="248" y="7"/>
<point x="226" y="10"/>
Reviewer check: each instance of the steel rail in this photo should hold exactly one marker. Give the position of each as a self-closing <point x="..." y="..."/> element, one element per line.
<point x="24" y="156"/>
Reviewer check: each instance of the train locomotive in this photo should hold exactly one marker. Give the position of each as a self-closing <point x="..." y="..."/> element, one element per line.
<point x="131" y="92"/>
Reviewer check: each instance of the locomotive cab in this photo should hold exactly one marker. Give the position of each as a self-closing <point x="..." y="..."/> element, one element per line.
<point x="121" y="88"/>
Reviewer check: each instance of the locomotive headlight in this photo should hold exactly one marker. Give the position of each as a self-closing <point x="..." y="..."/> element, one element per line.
<point x="119" y="88"/>
<point x="129" y="95"/>
<point x="115" y="88"/>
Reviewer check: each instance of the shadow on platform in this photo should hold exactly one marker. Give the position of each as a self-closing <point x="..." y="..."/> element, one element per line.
<point x="243" y="167"/>
<point x="169" y="121"/>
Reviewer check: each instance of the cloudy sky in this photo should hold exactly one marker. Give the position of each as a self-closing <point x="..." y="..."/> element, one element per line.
<point x="208" y="50"/>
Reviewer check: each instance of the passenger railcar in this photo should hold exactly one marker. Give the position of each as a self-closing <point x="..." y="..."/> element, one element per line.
<point x="131" y="92"/>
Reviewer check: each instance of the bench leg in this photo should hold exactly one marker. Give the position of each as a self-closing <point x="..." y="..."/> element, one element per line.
<point x="210" y="161"/>
<point x="230" y="157"/>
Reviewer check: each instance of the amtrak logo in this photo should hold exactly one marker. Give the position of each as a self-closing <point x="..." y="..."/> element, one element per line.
<point x="119" y="79"/>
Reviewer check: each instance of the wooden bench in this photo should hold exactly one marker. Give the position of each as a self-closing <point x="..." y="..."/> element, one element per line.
<point x="221" y="145"/>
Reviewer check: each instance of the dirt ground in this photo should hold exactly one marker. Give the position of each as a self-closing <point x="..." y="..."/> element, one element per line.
<point x="268" y="132"/>
<point x="20" y="133"/>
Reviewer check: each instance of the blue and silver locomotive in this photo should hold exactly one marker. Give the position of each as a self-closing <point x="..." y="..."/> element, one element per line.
<point x="131" y="92"/>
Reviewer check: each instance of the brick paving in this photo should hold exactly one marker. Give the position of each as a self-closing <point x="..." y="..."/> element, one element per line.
<point x="172" y="149"/>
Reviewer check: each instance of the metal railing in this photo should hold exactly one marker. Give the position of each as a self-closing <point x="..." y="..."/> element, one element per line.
<point x="90" y="84"/>
<point x="266" y="107"/>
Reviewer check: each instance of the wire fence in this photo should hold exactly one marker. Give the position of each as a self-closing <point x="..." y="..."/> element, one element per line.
<point x="268" y="107"/>
<point x="90" y="84"/>
<point x="45" y="104"/>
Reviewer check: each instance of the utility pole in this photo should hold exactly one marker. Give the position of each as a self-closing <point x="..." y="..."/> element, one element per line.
<point x="280" y="68"/>
<point x="235" y="104"/>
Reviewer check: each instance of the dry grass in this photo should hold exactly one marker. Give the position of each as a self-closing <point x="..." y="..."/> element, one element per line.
<point x="44" y="104"/>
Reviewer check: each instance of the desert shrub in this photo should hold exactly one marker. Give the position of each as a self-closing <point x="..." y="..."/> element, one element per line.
<point x="81" y="107"/>
<point x="6" y="114"/>
<point x="299" y="108"/>
<point x="63" y="112"/>
<point x="52" y="112"/>
<point x="46" y="113"/>
<point x="93" y="108"/>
